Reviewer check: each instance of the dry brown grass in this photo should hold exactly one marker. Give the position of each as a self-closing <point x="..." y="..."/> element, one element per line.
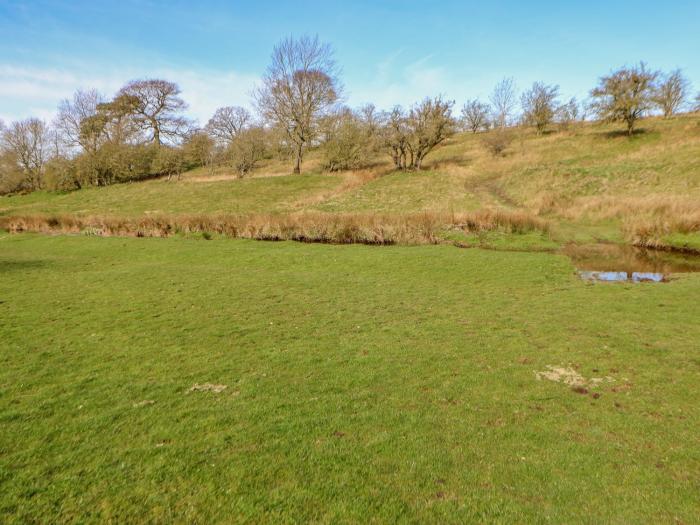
<point x="351" y="181"/>
<point x="650" y="232"/>
<point x="617" y="207"/>
<point x="347" y="228"/>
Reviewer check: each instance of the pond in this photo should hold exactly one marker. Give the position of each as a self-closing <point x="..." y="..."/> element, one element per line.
<point x="614" y="263"/>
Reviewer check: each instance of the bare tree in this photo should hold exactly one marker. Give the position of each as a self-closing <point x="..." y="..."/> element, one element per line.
<point x="475" y="115"/>
<point x="351" y="139"/>
<point x="430" y="123"/>
<point x="671" y="93"/>
<point x="71" y="115"/>
<point x="300" y="85"/>
<point x="539" y="105"/>
<point x="228" y="122"/>
<point x="697" y="102"/>
<point x="411" y="137"/>
<point x="247" y="149"/>
<point x="625" y="95"/>
<point x="395" y="136"/>
<point x="156" y="107"/>
<point x="503" y="101"/>
<point x="568" y="113"/>
<point x="26" y="141"/>
<point x="369" y="115"/>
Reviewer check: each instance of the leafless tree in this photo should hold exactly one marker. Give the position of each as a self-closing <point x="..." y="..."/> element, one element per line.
<point x="300" y="85"/>
<point x="430" y="123"/>
<point x="26" y="141"/>
<point x="228" y="122"/>
<point x="503" y="101"/>
<point x="625" y="95"/>
<point x="411" y="137"/>
<point x="568" y="113"/>
<point x="71" y="115"/>
<point x="539" y="105"/>
<point x="475" y="116"/>
<point x="352" y="139"/>
<point x="156" y="108"/>
<point x="697" y="102"/>
<point x="671" y="93"/>
<point x="395" y="137"/>
<point x="247" y="149"/>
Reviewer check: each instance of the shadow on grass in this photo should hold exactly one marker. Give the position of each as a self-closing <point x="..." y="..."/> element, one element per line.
<point x="7" y="266"/>
<point x="461" y="162"/>
<point x="622" y="133"/>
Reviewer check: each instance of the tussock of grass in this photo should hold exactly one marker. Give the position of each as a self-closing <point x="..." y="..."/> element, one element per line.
<point x="662" y="232"/>
<point x="344" y="228"/>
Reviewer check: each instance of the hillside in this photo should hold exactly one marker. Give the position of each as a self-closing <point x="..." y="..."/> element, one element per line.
<point x="590" y="182"/>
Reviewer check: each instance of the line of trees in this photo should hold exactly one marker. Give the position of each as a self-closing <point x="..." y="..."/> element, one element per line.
<point x="142" y="130"/>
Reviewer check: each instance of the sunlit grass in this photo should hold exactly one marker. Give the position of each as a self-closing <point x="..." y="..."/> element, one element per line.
<point x="395" y="384"/>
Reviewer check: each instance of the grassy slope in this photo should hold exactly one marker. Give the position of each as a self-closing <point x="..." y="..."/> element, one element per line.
<point x="564" y="169"/>
<point x="397" y="383"/>
<point x="270" y="194"/>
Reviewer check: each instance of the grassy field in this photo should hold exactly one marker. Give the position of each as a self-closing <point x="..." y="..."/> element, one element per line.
<point x="393" y="384"/>
<point x="197" y="378"/>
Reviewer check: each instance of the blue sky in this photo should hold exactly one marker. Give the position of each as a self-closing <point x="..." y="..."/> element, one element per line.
<point x="390" y="52"/>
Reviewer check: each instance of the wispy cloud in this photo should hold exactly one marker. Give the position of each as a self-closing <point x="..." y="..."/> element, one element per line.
<point x="33" y="91"/>
<point x="405" y="84"/>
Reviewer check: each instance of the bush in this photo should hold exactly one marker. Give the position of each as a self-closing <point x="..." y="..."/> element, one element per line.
<point x="198" y="150"/>
<point x="61" y="174"/>
<point x="246" y="150"/>
<point x="348" y="146"/>
<point x="12" y="179"/>
<point x="169" y="161"/>
<point x="114" y="163"/>
<point x="497" y="141"/>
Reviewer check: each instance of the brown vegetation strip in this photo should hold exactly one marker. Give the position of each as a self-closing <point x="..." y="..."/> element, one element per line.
<point x="417" y="228"/>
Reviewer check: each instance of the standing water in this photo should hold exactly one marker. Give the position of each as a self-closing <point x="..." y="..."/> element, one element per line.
<point x="615" y="263"/>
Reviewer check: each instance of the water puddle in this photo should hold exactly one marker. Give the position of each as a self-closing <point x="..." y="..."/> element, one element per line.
<point x="618" y="263"/>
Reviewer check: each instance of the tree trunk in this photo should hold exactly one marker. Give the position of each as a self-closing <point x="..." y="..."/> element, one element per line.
<point x="156" y="133"/>
<point x="297" y="162"/>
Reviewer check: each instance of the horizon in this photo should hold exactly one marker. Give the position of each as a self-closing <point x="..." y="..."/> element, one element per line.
<point x="216" y="53"/>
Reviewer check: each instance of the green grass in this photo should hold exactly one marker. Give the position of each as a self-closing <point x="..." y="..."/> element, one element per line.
<point x="392" y="384"/>
<point x="684" y="241"/>
<point x="573" y="177"/>
<point x="271" y="194"/>
<point x="406" y="192"/>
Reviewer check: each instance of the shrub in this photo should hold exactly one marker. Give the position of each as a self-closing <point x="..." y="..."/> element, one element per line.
<point x="169" y="161"/>
<point x="348" y="145"/>
<point x="246" y="150"/>
<point x="61" y="174"/>
<point x="114" y="163"/>
<point x="497" y="141"/>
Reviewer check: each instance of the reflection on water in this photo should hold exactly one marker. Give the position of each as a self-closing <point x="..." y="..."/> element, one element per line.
<point x="636" y="277"/>
<point x="613" y="262"/>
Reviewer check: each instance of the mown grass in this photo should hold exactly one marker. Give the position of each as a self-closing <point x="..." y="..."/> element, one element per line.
<point x="393" y="384"/>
